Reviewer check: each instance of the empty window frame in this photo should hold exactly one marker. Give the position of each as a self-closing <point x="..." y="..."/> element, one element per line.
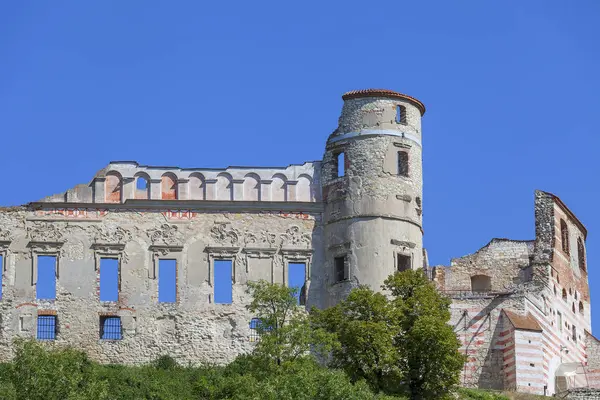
<point x="297" y="279"/>
<point x="564" y="236"/>
<point x="564" y="295"/>
<point x="339" y="269"/>
<point x="403" y="163"/>
<point x="46" y="327"/>
<point x="400" y="114"/>
<point x="45" y="286"/>
<point x="581" y="254"/>
<point x="403" y="262"/>
<point x="110" y="328"/>
<point x="167" y="281"/>
<point x="223" y="281"/>
<point x="340" y="164"/>
<point x="581" y="307"/>
<point x="109" y="279"/>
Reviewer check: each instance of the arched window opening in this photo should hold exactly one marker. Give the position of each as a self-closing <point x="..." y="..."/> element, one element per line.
<point x="142" y="187"/>
<point x="581" y="254"/>
<point x="481" y="283"/>
<point x="113" y="187"/>
<point x="400" y="114"/>
<point x="168" y="187"/>
<point x="573" y="308"/>
<point x="564" y="236"/>
<point x="564" y="294"/>
<point x="580" y="307"/>
<point x="555" y="291"/>
<point x="340" y="165"/>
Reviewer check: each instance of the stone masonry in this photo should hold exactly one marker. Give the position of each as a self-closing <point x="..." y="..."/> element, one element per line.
<point x="520" y="308"/>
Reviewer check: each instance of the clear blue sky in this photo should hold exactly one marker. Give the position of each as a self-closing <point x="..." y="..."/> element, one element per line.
<point x="512" y="91"/>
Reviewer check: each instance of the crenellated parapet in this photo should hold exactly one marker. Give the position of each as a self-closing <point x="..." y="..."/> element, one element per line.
<point x="120" y="181"/>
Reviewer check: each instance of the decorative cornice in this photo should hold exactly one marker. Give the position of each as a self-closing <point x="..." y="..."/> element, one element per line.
<point x="195" y="205"/>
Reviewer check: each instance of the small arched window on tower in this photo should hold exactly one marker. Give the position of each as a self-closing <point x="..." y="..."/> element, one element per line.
<point x="403" y="163"/>
<point x="564" y="236"/>
<point x="564" y="294"/>
<point x="340" y="164"/>
<point x="581" y="308"/>
<point x="581" y="254"/>
<point x="400" y="114"/>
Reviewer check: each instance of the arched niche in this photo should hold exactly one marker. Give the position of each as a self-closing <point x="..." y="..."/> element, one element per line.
<point x="113" y="189"/>
<point x="197" y="186"/>
<point x="168" y="186"/>
<point x="279" y="188"/>
<point x="252" y="187"/>
<point x="224" y="187"/>
<point x="304" y="189"/>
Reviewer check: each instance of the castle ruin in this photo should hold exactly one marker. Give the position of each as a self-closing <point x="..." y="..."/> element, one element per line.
<point x="520" y="308"/>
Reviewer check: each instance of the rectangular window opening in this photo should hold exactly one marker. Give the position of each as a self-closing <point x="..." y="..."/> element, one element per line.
<point x="400" y="114"/>
<point x="46" y="327"/>
<point x="297" y="279"/>
<point x="340" y="164"/>
<point x="403" y="163"/>
<point x="404" y="262"/>
<point x="167" y="281"/>
<point x="223" y="281"/>
<point x="339" y="265"/>
<point x="110" y="328"/>
<point x="254" y="335"/>
<point x="109" y="279"/>
<point x="45" y="287"/>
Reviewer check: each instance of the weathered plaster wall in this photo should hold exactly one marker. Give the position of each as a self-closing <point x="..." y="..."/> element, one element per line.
<point x="194" y="329"/>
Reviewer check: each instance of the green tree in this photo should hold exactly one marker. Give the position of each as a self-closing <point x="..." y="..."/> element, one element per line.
<point x="400" y="343"/>
<point x="57" y="374"/>
<point x="283" y="326"/>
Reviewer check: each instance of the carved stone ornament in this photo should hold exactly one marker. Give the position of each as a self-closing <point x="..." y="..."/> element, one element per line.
<point x="5" y="235"/>
<point x="44" y="232"/>
<point x="167" y="235"/>
<point x="115" y="235"/>
<point x="223" y="234"/>
<point x="4" y="244"/>
<point x="262" y="239"/>
<point x="295" y="238"/>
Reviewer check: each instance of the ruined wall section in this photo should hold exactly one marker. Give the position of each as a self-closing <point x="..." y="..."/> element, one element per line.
<point x="505" y="262"/>
<point x="193" y="329"/>
<point x="127" y="180"/>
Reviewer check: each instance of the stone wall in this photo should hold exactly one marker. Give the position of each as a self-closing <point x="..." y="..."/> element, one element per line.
<point x="260" y="243"/>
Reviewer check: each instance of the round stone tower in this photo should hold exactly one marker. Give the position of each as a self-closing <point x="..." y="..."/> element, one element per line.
<point x="372" y="190"/>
